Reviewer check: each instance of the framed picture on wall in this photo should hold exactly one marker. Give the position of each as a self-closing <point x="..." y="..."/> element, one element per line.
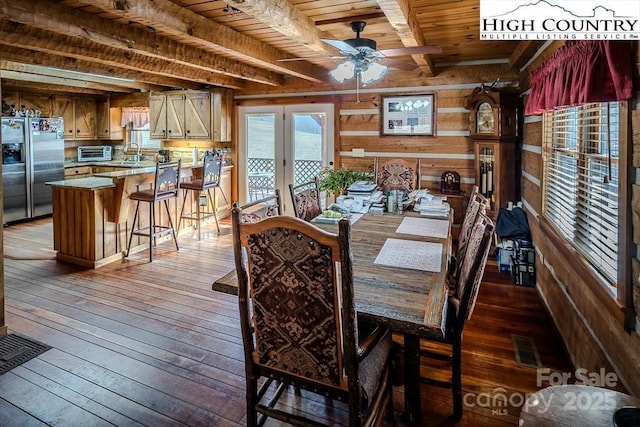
<point x="408" y="115"/>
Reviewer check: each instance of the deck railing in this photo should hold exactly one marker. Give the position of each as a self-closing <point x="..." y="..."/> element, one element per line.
<point x="261" y="174"/>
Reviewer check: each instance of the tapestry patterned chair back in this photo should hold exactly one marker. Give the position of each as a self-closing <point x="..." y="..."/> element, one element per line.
<point x="262" y="208"/>
<point x="296" y="321"/>
<point x="398" y="174"/>
<point x="306" y="200"/>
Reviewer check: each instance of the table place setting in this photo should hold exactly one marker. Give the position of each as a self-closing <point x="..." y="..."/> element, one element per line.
<point x="415" y="255"/>
<point x="427" y="227"/>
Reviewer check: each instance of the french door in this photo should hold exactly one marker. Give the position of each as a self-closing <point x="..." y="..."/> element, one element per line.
<point x="280" y="145"/>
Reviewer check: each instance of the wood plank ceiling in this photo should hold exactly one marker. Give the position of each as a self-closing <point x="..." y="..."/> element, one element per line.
<point x="129" y="46"/>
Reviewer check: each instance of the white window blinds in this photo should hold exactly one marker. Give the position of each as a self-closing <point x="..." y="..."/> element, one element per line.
<point x="581" y="159"/>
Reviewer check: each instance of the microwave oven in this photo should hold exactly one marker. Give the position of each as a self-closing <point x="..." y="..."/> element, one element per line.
<point x="94" y="153"/>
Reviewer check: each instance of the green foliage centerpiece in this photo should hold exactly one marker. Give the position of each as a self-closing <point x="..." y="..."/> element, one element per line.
<point x="338" y="180"/>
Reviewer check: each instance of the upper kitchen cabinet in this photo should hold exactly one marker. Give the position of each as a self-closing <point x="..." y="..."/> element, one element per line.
<point x="190" y="115"/>
<point x="158" y="115"/>
<point x="197" y="115"/>
<point x="79" y="116"/>
<point x="108" y="121"/>
<point x="36" y="102"/>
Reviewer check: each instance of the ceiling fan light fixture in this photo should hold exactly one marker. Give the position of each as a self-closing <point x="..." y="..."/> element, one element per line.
<point x="373" y="72"/>
<point x="343" y="72"/>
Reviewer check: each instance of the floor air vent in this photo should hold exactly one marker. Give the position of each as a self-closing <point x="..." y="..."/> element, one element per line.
<point x="526" y="352"/>
<point x="15" y="350"/>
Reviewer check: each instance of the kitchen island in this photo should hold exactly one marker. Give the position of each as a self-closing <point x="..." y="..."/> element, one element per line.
<point x="92" y="216"/>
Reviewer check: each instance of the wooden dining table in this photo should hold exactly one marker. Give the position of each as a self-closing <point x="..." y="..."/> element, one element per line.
<point x="409" y="301"/>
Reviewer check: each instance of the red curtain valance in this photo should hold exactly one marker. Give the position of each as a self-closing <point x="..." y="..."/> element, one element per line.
<point x="581" y="72"/>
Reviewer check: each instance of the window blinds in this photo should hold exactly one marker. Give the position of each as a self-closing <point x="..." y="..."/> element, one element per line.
<point x="581" y="180"/>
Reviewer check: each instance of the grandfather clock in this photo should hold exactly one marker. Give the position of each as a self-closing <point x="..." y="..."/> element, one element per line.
<point x="494" y="130"/>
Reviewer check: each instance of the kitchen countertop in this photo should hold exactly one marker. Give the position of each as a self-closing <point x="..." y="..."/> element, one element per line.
<point x="112" y="163"/>
<point x="89" y="183"/>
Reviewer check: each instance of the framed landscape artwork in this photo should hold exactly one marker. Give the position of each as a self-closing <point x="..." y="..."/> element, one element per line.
<point x="408" y="115"/>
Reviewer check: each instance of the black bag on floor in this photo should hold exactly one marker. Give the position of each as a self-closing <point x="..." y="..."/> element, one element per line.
<point x="512" y="224"/>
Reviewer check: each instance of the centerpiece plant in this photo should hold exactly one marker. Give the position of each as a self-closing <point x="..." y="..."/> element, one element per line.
<point x="337" y="181"/>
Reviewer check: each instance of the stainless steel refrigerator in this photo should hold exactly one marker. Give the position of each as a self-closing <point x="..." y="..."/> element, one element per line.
<point x="32" y="154"/>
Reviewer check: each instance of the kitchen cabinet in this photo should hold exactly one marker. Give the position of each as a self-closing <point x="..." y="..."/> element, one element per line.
<point x="78" y="172"/>
<point x="197" y="115"/>
<point x="108" y="121"/>
<point x="191" y="115"/>
<point x="36" y="102"/>
<point x="158" y="115"/>
<point x="79" y="117"/>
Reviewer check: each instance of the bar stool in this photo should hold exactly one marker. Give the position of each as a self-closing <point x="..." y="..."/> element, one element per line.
<point x="209" y="180"/>
<point x="165" y="187"/>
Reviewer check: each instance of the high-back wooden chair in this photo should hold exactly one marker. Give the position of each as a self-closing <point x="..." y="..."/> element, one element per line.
<point x="306" y="199"/>
<point x="262" y="208"/>
<point x="461" y="304"/>
<point x="206" y="184"/>
<point x="477" y="205"/>
<point x="397" y="174"/>
<point x="165" y="187"/>
<point x="297" y="316"/>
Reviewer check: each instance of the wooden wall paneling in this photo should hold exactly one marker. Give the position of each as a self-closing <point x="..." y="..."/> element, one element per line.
<point x="593" y="335"/>
<point x="408" y="144"/>
<point x="533" y="133"/>
<point x="532" y="163"/>
<point x="532" y="194"/>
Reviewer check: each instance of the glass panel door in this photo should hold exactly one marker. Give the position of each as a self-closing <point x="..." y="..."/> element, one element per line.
<point x="279" y="145"/>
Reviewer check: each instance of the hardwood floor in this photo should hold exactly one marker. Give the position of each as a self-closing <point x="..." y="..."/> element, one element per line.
<point x="139" y="343"/>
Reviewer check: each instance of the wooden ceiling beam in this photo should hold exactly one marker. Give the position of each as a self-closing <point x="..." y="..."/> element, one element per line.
<point x="284" y="18"/>
<point x="9" y="85"/>
<point x="401" y="18"/>
<point x="61" y="19"/>
<point x="19" y="35"/>
<point x="167" y="17"/>
<point x="523" y="53"/>
<point x="63" y="81"/>
<point x="127" y="85"/>
<point x="20" y="54"/>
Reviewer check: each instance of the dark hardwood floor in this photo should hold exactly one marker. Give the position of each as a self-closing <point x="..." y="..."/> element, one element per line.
<point x="136" y="343"/>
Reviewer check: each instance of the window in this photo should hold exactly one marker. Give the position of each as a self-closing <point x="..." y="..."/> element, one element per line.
<point x="142" y="137"/>
<point x="581" y="181"/>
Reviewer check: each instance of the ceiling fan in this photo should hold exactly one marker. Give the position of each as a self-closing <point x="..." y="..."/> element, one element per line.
<point x="364" y="51"/>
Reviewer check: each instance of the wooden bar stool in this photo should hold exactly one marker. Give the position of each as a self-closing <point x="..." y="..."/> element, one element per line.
<point x="165" y="187"/>
<point x="202" y="185"/>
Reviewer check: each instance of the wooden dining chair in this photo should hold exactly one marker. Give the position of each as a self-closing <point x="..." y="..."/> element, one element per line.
<point x="306" y="199"/>
<point x="262" y="208"/>
<point x="298" y="323"/>
<point x="477" y="205"/>
<point x="460" y="306"/>
<point x="397" y="174"/>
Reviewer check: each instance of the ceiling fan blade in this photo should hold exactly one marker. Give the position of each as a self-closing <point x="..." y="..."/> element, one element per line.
<point x="342" y="46"/>
<point x="307" y="58"/>
<point x="400" y="65"/>
<point x="416" y="50"/>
